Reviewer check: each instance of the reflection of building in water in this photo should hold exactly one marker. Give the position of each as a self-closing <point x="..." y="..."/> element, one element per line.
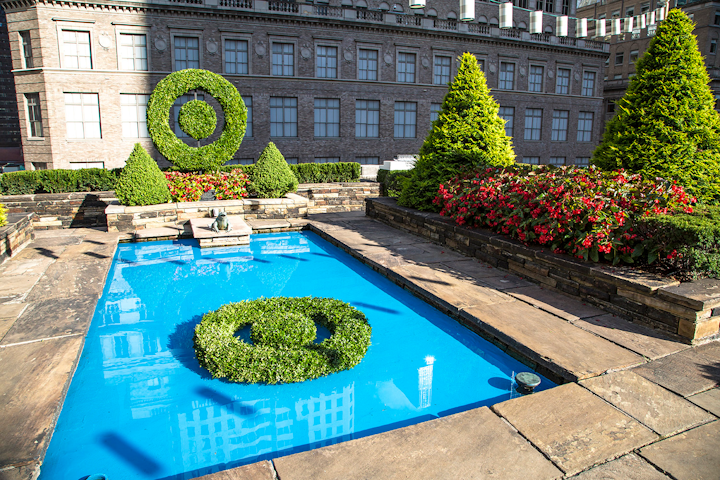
<point x="284" y="244"/>
<point x="328" y="416"/>
<point x="425" y="377"/>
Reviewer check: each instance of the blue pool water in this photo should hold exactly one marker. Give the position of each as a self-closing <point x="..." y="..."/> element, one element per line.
<point x="140" y="407"/>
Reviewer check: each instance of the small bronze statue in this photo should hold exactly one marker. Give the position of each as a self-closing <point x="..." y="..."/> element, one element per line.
<point x="221" y="223"/>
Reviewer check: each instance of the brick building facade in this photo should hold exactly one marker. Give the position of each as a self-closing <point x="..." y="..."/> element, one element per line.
<point x="325" y="82"/>
<point x="10" y="150"/>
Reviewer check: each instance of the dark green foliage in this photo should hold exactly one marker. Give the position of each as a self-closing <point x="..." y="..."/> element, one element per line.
<point x="304" y="172"/>
<point x="58" y="181"/>
<point x="666" y="124"/>
<point x="3" y="215"/>
<point x="141" y="181"/>
<point x="272" y="177"/>
<point x="282" y="331"/>
<point x="175" y="150"/>
<point x="391" y="181"/>
<point x="197" y="119"/>
<point x="467" y="134"/>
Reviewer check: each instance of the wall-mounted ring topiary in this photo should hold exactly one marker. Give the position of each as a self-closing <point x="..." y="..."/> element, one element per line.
<point x="282" y="331"/>
<point x="175" y="150"/>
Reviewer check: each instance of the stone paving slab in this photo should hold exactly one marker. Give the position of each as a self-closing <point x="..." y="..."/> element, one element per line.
<point x="89" y="250"/>
<point x="473" y="444"/>
<point x="57" y="241"/>
<point x="658" y="409"/>
<point x="550" y="341"/>
<point x="484" y="274"/>
<point x="17" y="285"/>
<point x="688" y="372"/>
<point x="556" y="303"/>
<point x="34" y="251"/>
<point x="709" y="400"/>
<point x="692" y="455"/>
<point x="67" y="279"/>
<point x="426" y="253"/>
<point x="256" y="471"/>
<point x="642" y="340"/>
<point x="31" y="266"/>
<point x="573" y="427"/>
<point x="629" y="467"/>
<point x="32" y="382"/>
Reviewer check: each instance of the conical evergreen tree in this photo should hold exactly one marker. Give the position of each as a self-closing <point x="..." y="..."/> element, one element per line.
<point x="141" y="182"/>
<point x="272" y="177"/>
<point x="468" y="133"/>
<point x="666" y="124"/>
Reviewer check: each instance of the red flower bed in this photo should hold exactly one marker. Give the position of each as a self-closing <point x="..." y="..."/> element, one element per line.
<point x="582" y="211"/>
<point x="189" y="187"/>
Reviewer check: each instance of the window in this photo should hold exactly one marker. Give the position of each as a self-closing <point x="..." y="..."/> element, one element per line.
<point x="326" y="62"/>
<point x="76" y="49"/>
<point x="406" y="67"/>
<point x="522" y="3"/>
<point x="283" y="59"/>
<point x="240" y="161"/>
<point x="26" y="46"/>
<point x="713" y="45"/>
<point x="283" y="117"/>
<point x="557" y="161"/>
<point x="630" y="11"/>
<point x="405" y="113"/>
<point x="32" y="100"/>
<point x="441" y="73"/>
<point x="82" y="115"/>
<point x="292" y="160"/>
<point x="236" y="57"/>
<point x="133" y="110"/>
<point x="585" y="126"/>
<point x="615" y="14"/>
<point x="619" y="58"/>
<point x="559" y="126"/>
<point x="327" y="117"/>
<point x="507" y="76"/>
<point x="533" y="123"/>
<point x="179" y="102"/>
<point x="133" y="52"/>
<point x="535" y="80"/>
<point x="367" y="118"/>
<point x="582" y="162"/>
<point x="368" y="160"/>
<point x="249" y="127"/>
<point x="645" y="7"/>
<point x="90" y="164"/>
<point x="617" y="76"/>
<point x="435" y="111"/>
<point x="187" y="52"/>
<point x="566" y="7"/>
<point x="508" y="114"/>
<point x="610" y="107"/>
<point x="588" y="85"/>
<point x="562" y="85"/>
<point x="531" y="160"/>
<point x="633" y="56"/>
<point x="481" y="64"/>
<point x="717" y="18"/>
<point x="327" y="159"/>
<point x="367" y="64"/>
<point x="549" y="6"/>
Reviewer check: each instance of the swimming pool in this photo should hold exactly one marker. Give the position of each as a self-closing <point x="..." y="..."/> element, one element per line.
<point x="139" y="406"/>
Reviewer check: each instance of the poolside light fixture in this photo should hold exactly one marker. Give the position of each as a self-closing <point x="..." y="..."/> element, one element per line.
<point x="527" y="381"/>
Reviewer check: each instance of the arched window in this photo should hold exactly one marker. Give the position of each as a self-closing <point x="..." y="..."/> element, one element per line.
<point x="397" y="8"/>
<point x="482" y="19"/>
<point x="384" y="7"/>
<point x="452" y="15"/>
<point x="361" y="4"/>
<point x="522" y="26"/>
<point x="432" y="13"/>
<point x="548" y="29"/>
<point x="494" y="22"/>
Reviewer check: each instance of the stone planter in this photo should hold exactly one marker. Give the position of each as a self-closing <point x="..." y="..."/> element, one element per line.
<point x="16" y="234"/>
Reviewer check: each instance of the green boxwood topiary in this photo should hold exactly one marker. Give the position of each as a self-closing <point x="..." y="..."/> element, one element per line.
<point x="141" y="182"/>
<point x="3" y="215"/>
<point x="197" y="119"/>
<point x="282" y="331"/>
<point x="175" y="150"/>
<point x="272" y="177"/>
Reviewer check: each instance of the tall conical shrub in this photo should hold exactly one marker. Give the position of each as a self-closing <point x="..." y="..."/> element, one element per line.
<point x="468" y="133"/>
<point x="272" y="177"/>
<point x="666" y="124"/>
<point x="141" y="182"/>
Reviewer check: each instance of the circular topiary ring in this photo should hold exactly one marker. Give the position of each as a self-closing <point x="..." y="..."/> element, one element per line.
<point x="282" y="331"/>
<point x="175" y="150"/>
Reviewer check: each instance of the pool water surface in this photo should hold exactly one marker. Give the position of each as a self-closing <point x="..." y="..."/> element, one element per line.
<point x="140" y="407"/>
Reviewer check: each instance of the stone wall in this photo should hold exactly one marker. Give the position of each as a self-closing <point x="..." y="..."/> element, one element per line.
<point x="15" y="235"/>
<point x="689" y="310"/>
<point x="337" y="197"/>
<point x="62" y="210"/>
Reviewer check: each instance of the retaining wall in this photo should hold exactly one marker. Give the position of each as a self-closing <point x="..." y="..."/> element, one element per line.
<point x="16" y="234"/>
<point x="337" y="197"/>
<point x="62" y="210"/>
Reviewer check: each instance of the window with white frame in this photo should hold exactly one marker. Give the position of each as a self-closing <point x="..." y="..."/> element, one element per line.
<point x="406" y="67"/>
<point x="327" y="159"/>
<point x="435" y="111"/>
<point x="585" y="126"/>
<point x="326" y="62"/>
<point x="559" y="125"/>
<point x="283" y="59"/>
<point x="179" y="102"/>
<point x="507" y="76"/>
<point x="367" y="118"/>
<point x="562" y="85"/>
<point x="441" y="70"/>
<point x="26" y="45"/>
<point x="535" y="79"/>
<point x="327" y="117"/>
<point x="236" y="56"/>
<point x="133" y="113"/>
<point x="283" y="117"/>
<point x="508" y="114"/>
<point x="133" y="52"/>
<point x="34" y="115"/>
<point x="405" y="119"/>
<point x="187" y="52"/>
<point x="588" y="85"/>
<point x="582" y="161"/>
<point x="533" y="123"/>
<point x="557" y="161"/>
<point x="531" y="160"/>
<point x="368" y="160"/>
<point x="82" y="115"/>
<point x="76" y="49"/>
<point x="367" y="64"/>
<point x="249" y="125"/>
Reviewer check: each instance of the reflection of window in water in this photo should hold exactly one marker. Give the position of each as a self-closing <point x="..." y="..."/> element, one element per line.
<point x="121" y="346"/>
<point x="425" y="376"/>
<point x="328" y="416"/>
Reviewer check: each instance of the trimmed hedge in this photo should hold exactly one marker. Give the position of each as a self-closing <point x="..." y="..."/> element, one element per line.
<point x="282" y="331"/>
<point x="272" y="177"/>
<point x="197" y="119"/>
<point x="141" y="181"/>
<point x="28" y="182"/>
<point x="391" y="181"/>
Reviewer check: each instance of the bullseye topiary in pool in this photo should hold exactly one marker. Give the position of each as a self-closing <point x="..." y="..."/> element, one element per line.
<point x="282" y="331"/>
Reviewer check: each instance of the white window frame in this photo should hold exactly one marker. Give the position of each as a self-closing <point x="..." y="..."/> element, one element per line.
<point x="338" y="51"/>
<point x="140" y="122"/>
<point x="531" y="76"/>
<point x="405" y="73"/>
<point x="124" y="30"/>
<point x="84" y="111"/>
<point x="25" y="49"/>
<point x="236" y="38"/>
<point x="557" y="161"/>
<point x="558" y="86"/>
<point x="284" y="41"/>
<point x="375" y="49"/>
<point x="30" y="121"/>
<point x="186" y="33"/>
<point x="80" y="26"/>
<point x="584" y="89"/>
<point x="502" y="82"/>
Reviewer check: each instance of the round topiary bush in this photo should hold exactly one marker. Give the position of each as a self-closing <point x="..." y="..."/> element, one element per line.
<point x="141" y="182"/>
<point x="197" y="119"/>
<point x="175" y="150"/>
<point x="282" y="331"/>
<point x="272" y="177"/>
